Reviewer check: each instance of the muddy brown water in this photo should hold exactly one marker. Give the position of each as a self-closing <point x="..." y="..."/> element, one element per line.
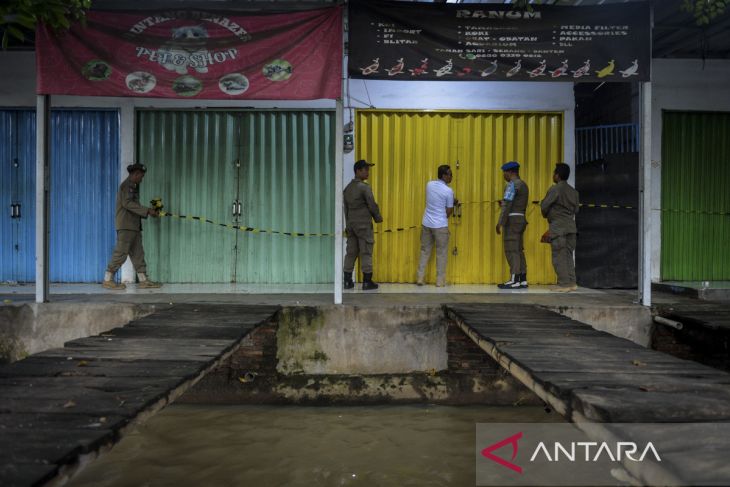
<point x="419" y="445"/>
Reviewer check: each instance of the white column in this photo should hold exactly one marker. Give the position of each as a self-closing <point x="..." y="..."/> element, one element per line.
<point x="568" y="144"/>
<point x="42" y="188"/>
<point x="339" y="135"/>
<point x="645" y="196"/>
<point x="127" y="148"/>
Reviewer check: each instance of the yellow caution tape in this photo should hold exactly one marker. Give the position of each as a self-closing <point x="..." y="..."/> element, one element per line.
<point x="243" y="228"/>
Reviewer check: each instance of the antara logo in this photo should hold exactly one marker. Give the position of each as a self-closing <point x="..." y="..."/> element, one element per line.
<point x="591" y="452"/>
<point x="512" y="440"/>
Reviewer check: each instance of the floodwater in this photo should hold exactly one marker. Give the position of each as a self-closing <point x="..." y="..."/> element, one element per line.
<point x="419" y="445"/>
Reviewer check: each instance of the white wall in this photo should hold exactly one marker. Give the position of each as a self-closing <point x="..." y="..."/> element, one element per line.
<point x="680" y="84"/>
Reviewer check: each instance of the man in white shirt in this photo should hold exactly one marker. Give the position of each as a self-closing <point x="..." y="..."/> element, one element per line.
<point x="435" y="226"/>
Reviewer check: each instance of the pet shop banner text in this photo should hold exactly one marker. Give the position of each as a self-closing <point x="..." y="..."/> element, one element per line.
<point x="195" y="54"/>
<point x="493" y="42"/>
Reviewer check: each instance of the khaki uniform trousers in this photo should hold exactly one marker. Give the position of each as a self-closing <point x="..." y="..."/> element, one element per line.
<point x="129" y="243"/>
<point x="360" y="242"/>
<point x="441" y="237"/>
<point x="513" y="239"/>
<point x="562" y="249"/>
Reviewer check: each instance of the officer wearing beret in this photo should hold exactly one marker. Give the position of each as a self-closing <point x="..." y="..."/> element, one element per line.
<point x="360" y="211"/>
<point x="128" y="222"/>
<point x="512" y="224"/>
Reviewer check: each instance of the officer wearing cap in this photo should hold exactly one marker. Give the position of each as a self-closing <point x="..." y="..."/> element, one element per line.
<point x="560" y="206"/>
<point x="512" y="224"/>
<point x="128" y="222"/>
<point x="360" y="211"/>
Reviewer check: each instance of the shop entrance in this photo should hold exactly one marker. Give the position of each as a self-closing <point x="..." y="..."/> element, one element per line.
<point x="271" y="171"/>
<point x="407" y="148"/>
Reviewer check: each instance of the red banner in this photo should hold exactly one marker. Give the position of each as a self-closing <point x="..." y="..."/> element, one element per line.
<point x="195" y="54"/>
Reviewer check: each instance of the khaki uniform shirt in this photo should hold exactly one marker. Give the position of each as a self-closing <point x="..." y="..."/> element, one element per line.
<point x="516" y="197"/>
<point x="559" y="207"/>
<point x="129" y="212"/>
<point x="360" y="205"/>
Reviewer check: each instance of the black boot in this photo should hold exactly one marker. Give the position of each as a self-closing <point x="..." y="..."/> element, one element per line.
<point x="513" y="283"/>
<point x="347" y="281"/>
<point x="367" y="281"/>
<point x="523" y="280"/>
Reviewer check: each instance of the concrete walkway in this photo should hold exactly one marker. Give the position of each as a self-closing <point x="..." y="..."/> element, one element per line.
<point x="306" y="294"/>
<point x="59" y="409"/>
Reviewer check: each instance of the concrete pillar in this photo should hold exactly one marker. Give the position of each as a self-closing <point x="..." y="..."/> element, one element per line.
<point x="339" y="155"/>
<point x="42" y="193"/>
<point x="645" y="197"/>
<point x="126" y="129"/>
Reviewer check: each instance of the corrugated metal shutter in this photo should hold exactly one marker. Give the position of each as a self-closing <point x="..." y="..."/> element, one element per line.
<point x="191" y="162"/>
<point x="278" y="164"/>
<point x="287" y="184"/>
<point x="17" y="183"/>
<point x="695" y="196"/>
<point x="17" y="168"/>
<point x="84" y="179"/>
<point x="84" y="175"/>
<point x="407" y="148"/>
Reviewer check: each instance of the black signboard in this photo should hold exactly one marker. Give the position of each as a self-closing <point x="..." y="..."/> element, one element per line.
<point x="492" y="42"/>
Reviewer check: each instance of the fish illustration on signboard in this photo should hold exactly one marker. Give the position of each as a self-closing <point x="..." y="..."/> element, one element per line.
<point x="540" y="70"/>
<point x="583" y="70"/>
<point x="421" y="70"/>
<point x="631" y="70"/>
<point x="561" y="71"/>
<point x="373" y="68"/>
<point x="607" y="71"/>
<point x="490" y="69"/>
<point x="516" y="69"/>
<point x="397" y="69"/>
<point x="445" y="69"/>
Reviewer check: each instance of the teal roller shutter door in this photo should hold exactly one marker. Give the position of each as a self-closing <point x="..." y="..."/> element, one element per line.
<point x="278" y="164"/>
<point x="287" y="184"/>
<point x="191" y="164"/>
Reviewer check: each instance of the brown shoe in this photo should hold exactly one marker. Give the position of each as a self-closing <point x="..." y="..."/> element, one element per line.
<point x="149" y="285"/>
<point x="113" y="285"/>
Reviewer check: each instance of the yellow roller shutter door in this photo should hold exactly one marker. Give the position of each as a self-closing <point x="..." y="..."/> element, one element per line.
<point x="407" y="148"/>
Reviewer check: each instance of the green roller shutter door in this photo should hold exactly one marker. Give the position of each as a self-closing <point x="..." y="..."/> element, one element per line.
<point x="287" y="185"/>
<point x="695" y="196"/>
<point x="279" y="165"/>
<point x="190" y="158"/>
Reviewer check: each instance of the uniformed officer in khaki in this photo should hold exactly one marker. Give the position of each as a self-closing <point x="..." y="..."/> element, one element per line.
<point x="560" y="206"/>
<point x="128" y="222"/>
<point x="512" y="224"/>
<point x="360" y="211"/>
